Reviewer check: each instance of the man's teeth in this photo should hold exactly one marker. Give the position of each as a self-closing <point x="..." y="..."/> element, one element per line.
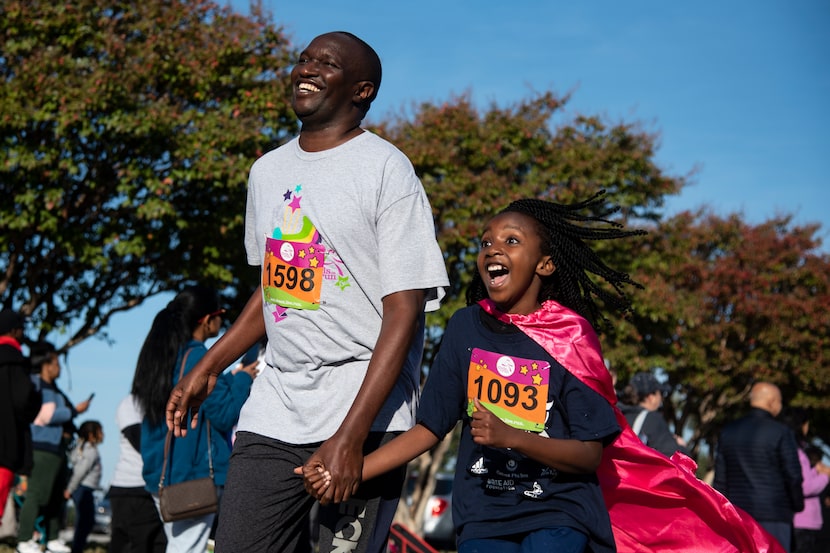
<point x="495" y="267"/>
<point x="308" y="87"/>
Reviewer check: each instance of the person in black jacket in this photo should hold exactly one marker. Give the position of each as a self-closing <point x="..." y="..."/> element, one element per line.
<point x="640" y="403"/>
<point x="757" y="466"/>
<point x="19" y="404"/>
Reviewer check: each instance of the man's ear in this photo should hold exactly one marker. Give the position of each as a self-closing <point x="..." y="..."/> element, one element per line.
<point x="545" y="267"/>
<point x="363" y="91"/>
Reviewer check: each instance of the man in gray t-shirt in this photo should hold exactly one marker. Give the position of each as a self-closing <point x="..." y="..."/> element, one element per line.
<point x="343" y="233"/>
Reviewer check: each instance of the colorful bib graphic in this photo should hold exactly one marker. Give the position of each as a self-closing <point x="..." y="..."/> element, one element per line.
<point x="292" y="273"/>
<point x="295" y="263"/>
<point x="512" y="388"/>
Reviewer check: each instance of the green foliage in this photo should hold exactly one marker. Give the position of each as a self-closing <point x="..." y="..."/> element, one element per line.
<point x="127" y="131"/>
<point x="727" y="304"/>
<point x="473" y="164"/>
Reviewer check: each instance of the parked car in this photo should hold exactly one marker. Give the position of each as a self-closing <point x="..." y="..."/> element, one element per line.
<point x="439" y="531"/>
<point x="103" y="515"/>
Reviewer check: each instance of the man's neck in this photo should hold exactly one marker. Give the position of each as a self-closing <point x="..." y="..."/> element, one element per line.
<point x="318" y="140"/>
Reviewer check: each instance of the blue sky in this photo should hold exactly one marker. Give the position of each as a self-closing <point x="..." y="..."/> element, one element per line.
<point x="736" y="90"/>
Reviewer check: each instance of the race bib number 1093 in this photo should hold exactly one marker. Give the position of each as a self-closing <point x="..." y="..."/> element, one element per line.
<point x="512" y="388"/>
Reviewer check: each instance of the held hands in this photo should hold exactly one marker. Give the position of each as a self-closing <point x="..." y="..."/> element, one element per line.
<point x="487" y="429"/>
<point x="333" y="473"/>
<point x="343" y="460"/>
<point x="316" y="479"/>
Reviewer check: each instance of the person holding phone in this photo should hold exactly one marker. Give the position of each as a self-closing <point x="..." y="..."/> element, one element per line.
<point x="51" y="430"/>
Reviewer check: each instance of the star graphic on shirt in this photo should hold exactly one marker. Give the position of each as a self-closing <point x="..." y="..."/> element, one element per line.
<point x="343" y="282"/>
<point x="537" y="379"/>
<point x="314" y="262"/>
<point x="535" y="366"/>
<point x="287" y="195"/>
<point x="298" y="189"/>
<point x="279" y="313"/>
<point x="295" y="203"/>
<point x="301" y="254"/>
<point x="523" y="370"/>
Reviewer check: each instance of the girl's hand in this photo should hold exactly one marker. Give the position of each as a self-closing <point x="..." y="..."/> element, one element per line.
<point x="66" y="494"/>
<point x="487" y="429"/>
<point x="316" y="479"/>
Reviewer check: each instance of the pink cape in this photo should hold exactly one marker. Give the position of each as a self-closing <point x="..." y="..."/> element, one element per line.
<point x="655" y="503"/>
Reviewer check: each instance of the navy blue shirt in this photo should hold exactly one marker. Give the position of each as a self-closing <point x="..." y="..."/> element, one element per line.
<point x="500" y="492"/>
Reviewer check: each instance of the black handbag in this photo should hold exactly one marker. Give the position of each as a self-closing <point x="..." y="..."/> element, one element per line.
<point x="192" y="498"/>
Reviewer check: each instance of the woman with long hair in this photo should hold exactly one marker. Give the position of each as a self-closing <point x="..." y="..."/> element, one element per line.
<point x="175" y="343"/>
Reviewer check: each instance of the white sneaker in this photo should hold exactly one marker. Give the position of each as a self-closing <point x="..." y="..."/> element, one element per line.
<point x="30" y="546"/>
<point x="57" y="546"/>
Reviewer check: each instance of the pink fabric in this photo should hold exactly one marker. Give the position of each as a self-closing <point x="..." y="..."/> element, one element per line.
<point x="9" y="341"/>
<point x="655" y="503"/>
<point x="814" y="483"/>
<point x="6" y="481"/>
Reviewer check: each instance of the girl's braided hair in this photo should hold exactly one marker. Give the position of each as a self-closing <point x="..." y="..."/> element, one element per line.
<point x="564" y="239"/>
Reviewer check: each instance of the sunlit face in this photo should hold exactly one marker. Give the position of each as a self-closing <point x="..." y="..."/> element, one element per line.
<point x="324" y="79"/>
<point x="511" y="263"/>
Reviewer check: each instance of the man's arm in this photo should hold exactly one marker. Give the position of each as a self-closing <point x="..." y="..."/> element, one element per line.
<point x="342" y="454"/>
<point x="187" y="396"/>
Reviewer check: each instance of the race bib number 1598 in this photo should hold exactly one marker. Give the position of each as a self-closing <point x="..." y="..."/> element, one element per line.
<point x="292" y="273"/>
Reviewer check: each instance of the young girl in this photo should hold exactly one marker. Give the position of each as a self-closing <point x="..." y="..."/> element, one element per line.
<point x="533" y="433"/>
<point x="528" y="476"/>
<point x="85" y="479"/>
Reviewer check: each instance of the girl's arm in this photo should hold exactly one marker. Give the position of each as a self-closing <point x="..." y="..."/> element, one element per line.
<point x="394" y="453"/>
<point x="572" y="456"/>
<point x="398" y="451"/>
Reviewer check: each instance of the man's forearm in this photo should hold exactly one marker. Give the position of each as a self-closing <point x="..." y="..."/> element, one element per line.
<point x="402" y="312"/>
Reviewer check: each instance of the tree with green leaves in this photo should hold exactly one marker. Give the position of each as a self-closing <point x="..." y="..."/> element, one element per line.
<point x="474" y="162"/>
<point x="127" y="132"/>
<point x="727" y="303"/>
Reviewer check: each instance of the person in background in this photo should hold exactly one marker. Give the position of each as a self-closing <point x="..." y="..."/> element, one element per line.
<point x="136" y="526"/>
<point x="46" y="485"/>
<point x="808" y="523"/>
<point x="757" y="466"/>
<point x="19" y="404"/>
<point x="343" y="233"/>
<point x="85" y="479"/>
<point x="640" y="402"/>
<point x="173" y="346"/>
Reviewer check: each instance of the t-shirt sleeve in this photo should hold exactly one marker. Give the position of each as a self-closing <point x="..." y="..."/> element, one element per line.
<point x="410" y="256"/>
<point x="444" y="395"/>
<point x="590" y="416"/>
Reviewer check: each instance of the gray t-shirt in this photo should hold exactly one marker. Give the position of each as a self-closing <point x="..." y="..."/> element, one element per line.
<point x="334" y="231"/>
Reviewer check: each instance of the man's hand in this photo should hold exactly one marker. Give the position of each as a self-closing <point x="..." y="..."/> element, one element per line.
<point x="343" y="461"/>
<point x="487" y="429"/>
<point x="186" y="398"/>
<point x="316" y="479"/>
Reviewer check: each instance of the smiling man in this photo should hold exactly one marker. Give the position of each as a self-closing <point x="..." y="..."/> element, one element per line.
<point x="343" y="232"/>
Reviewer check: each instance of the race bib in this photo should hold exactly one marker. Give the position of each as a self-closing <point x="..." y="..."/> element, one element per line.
<point x="292" y="273"/>
<point x="512" y="388"/>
